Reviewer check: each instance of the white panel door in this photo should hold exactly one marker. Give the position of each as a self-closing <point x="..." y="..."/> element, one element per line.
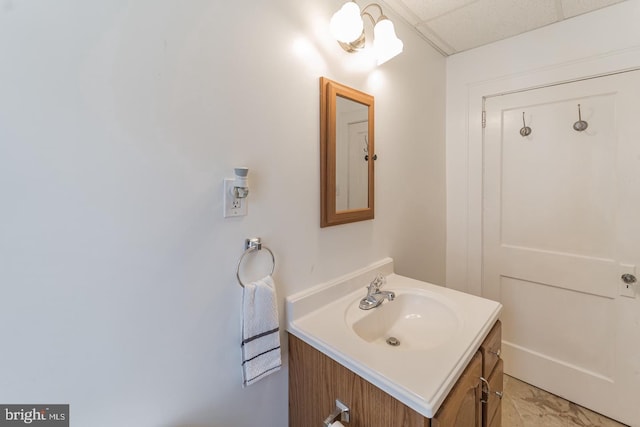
<point x="358" y="184"/>
<point x="561" y="224"/>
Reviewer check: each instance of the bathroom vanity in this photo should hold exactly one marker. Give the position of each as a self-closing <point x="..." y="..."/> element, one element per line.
<point x="429" y="357"/>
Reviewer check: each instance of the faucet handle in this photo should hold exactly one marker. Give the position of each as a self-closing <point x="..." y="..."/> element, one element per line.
<point x="380" y="280"/>
<point x="375" y="284"/>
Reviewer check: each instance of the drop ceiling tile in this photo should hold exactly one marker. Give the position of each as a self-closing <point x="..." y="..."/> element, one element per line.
<point x="486" y="21"/>
<point x="578" y="7"/>
<point x="453" y="26"/>
<point x="435" y="39"/>
<point x="399" y="7"/>
<point x="429" y="9"/>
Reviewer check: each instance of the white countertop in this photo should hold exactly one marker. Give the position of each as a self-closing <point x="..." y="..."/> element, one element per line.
<point x="421" y="377"/>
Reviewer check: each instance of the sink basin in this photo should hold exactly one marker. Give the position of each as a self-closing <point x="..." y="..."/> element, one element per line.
<point x="413" y="320"/>
<point x="437" y="331"/>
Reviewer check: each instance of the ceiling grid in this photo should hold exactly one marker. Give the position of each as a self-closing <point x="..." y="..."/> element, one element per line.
<point x="453" y="26"/>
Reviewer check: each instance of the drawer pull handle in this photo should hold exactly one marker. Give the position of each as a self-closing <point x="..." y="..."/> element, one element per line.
<point x="486" y="391"/>
<point x="341" y="413"/>
<point x="497" y="352"/>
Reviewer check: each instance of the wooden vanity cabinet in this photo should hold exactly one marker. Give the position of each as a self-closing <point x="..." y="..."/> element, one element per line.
<point x="491" y="349"/>
<point x="492" y="408"/>
<point x="492" y="371"/>
<point x="316" y="381"/>
<point x="462" y="407"/>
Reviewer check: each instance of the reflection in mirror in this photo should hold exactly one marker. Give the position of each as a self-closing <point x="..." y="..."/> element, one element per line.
<point x="352" y="148"/>
<point x="347" y="154"/>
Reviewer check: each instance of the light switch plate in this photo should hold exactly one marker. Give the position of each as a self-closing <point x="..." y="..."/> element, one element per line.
<point x="232" y="206"/>
<point x="627" y="290"/>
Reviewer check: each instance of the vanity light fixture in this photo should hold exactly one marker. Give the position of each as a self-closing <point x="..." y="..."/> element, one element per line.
<point x="347" y="27"/>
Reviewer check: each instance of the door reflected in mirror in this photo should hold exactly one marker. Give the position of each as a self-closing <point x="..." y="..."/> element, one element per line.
<point x="352" y="153"/>
<point x="347" y="154"/>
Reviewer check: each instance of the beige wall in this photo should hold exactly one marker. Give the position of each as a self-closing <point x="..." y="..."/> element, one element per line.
<point x="118" y="122"/>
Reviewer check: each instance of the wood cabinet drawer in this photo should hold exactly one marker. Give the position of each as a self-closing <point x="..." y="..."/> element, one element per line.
<point x="491" y="348"/>
<point x="493" y="407"/>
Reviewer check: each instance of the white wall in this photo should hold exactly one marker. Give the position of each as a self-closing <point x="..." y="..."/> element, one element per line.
<point x="118" y="122"/>
<point x="603" y="41"/>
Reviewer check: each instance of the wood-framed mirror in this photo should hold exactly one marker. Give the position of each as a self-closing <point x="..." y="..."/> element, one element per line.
<point x="346" y="154"/>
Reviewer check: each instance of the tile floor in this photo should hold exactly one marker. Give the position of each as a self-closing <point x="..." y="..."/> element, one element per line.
<point x="526" y="406"/>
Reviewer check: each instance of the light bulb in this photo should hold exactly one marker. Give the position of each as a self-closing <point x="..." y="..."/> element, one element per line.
<point x="346" y="24"/>
<point x="385" y="42"/>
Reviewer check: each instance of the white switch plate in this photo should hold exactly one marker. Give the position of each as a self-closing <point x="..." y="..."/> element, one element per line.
<point x="231" y="205"/>
<point x="626" y="290"/>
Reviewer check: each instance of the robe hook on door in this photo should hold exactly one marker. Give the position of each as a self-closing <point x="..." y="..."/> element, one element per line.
<point x="525" y="130"/>
<point x="580" y="125"/>
<point x="366" y="150"/>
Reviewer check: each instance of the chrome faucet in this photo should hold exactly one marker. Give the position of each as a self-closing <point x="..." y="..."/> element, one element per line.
<point x="375" y="296"/>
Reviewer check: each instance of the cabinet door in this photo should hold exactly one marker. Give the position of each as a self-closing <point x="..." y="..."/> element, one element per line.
<point x="493" y="406"/>
<point x="462" y="408"/>
<point x="490" y="349"/>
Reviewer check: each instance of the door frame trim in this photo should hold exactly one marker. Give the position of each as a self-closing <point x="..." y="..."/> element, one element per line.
<point x="559" y="83"/>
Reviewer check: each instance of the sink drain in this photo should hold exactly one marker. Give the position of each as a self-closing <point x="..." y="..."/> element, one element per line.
<point x="393" y="341"/>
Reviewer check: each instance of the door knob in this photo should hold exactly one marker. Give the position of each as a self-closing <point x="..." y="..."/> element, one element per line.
<point x="628" y="278"/>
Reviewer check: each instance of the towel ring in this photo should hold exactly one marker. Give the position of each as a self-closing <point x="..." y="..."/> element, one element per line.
<point x="251" y="245"/>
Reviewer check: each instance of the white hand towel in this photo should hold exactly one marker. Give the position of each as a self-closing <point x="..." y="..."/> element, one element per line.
<point x="260" y="331"/>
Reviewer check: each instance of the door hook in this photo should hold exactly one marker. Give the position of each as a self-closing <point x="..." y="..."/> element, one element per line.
<point x="580" y="125"/>
<point x="525" y="130"/>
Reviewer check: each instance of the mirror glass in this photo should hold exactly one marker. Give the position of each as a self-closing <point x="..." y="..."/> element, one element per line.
<point x="352" y="149"/>
<point x="347" y="156"/>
